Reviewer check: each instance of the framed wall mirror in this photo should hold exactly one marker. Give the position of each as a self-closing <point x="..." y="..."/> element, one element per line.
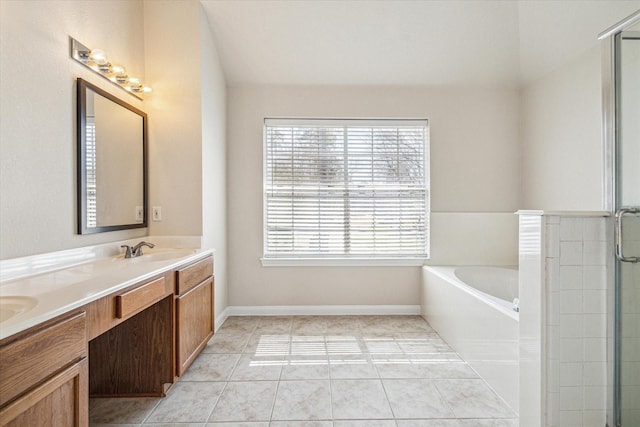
<point x="112" y="162"/>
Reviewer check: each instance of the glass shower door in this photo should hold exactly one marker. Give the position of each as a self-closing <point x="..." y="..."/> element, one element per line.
<point x="628" y="225"/>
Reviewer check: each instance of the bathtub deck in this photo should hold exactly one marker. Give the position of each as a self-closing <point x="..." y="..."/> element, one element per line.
<point x="321" y="371"/>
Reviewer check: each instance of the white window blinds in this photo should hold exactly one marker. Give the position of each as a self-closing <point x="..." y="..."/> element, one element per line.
<point x="346" y="189"/>
<point x="91" y="168"/>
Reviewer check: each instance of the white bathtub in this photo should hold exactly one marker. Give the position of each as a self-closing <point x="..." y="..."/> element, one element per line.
<point x="472" y="309"/>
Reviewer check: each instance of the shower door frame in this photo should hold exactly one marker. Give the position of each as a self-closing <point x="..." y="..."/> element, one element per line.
<point x="611" y="44"/>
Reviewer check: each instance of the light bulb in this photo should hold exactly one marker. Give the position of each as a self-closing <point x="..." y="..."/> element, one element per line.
<point x="134" y="80"/>
<point x="147" y="89"/>
<point x="122" y="78"/>
<point x="105" y="68"/>
<point x="98" y="56"/>
<point x="118" y="69"/>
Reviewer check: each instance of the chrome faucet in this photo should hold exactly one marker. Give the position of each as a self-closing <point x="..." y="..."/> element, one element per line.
<point x="135" y="251"/>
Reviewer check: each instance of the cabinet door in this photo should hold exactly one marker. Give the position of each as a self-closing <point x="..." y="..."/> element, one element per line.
<point x="59" y="401"/>
<point x="194" y="314"/>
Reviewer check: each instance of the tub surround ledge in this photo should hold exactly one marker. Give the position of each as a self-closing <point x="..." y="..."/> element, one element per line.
<point x="541" y="212"/>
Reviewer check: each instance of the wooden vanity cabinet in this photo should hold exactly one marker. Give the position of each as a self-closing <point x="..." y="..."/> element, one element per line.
<point x="133" y="342"/>
<point x="131" y="347"/>
<point x="194" y="311"/>
<point x="44" y="375"/>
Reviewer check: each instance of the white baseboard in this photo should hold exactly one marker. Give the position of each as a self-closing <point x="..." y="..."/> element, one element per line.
<point x="318" y="310"/>
<point x="314" y="310"/>
<point x="219" y="320"/>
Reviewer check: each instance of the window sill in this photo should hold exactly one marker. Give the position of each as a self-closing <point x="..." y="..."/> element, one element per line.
<point x="343" y="262"/>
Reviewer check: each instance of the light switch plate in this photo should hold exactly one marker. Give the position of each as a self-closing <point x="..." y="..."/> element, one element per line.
<point x="157" y="213"/>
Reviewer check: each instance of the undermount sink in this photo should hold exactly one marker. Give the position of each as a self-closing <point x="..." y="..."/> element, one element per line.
<point x="11" y="306"/>
<point x="159" y="255"/>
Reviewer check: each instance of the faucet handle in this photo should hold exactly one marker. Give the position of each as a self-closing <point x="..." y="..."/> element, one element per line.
<point x="128" y="253"/>
<point x="137" y="249"/>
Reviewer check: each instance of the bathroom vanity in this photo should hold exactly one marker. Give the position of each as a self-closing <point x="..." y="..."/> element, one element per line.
<point x="118" y="328"/>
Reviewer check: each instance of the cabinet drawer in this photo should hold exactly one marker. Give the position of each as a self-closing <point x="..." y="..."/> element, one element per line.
<point x="102" y="314"/>
<point x="190" y="276"/>
<point x="27" y="361"/>
<point x="139" y="298"/>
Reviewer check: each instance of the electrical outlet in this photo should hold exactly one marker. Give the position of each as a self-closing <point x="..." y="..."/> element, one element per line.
<point x="139" y="213"/>
<point x="157" y="213"/>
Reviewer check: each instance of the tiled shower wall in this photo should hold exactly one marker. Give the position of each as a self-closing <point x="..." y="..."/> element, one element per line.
<point x="571" y="278"/>
<point x="630" y="329"/>
<point x="577" y="251"/>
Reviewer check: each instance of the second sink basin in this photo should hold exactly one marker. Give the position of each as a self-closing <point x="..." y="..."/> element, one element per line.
<point x="13" y="305"/>
<point x="163" y="256"/>
<point x="159" y="255"/>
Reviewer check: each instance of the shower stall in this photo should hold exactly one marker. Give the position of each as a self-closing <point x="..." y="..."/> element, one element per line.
<point x="622" y="192"/>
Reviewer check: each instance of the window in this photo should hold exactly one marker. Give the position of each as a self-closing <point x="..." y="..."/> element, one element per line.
<point x="90" y="166"/>
<point x="346" y="189"/>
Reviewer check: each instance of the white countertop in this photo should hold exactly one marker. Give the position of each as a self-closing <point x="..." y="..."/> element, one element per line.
<point x="93" y="272"/>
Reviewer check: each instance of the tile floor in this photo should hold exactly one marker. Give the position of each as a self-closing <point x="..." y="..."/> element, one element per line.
<point x="319" y="371"/>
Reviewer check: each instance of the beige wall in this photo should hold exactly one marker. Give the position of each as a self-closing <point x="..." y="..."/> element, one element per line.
<point x="214" y="160"/>
<point x="37" y="128"/>
<point x="170" y="46"/>
<point x="474" y="170"/>
<point x="187" y="127"/>
<point x="561" y="138"/>
<point x="477" y="148"/>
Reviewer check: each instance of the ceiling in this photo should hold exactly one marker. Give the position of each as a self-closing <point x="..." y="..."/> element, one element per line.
<point x="398" y="42"/>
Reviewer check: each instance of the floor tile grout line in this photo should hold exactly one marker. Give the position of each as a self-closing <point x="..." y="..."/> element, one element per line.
<point x="331" y="397"/>
<point x="275" y="397"/>
<point x="444" y="399"/>
<point x="213" y="408"/>
<point x="386" y="395"/>
<point x="273" y="405"/>
<point x="151" y="411"/>
<point x="513" y="411"/>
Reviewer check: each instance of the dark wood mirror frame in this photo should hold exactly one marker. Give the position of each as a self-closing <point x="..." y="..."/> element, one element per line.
<point x="82" y="205"/>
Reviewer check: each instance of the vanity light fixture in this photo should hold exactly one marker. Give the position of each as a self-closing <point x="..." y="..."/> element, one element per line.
<point x="96" y="60"/>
